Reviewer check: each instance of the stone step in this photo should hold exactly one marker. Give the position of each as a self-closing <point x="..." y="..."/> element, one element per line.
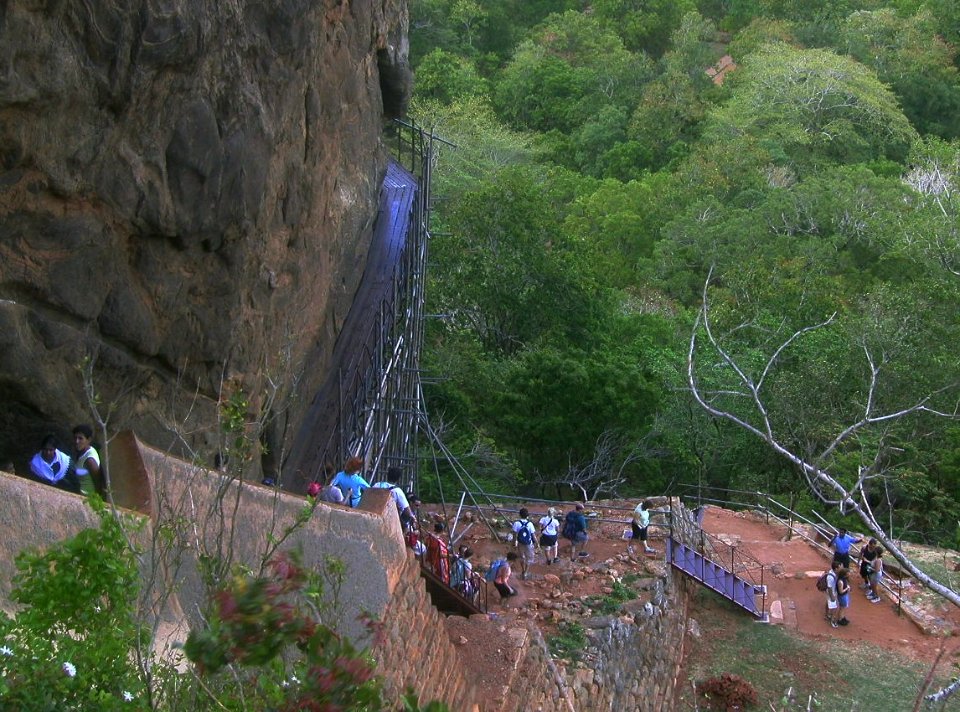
<point x="783" y="612"/>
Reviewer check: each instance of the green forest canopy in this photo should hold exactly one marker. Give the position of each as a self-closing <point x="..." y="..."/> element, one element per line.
<point x="600" y="175"/>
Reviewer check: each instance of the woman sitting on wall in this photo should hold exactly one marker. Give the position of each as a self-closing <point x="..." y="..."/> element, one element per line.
<point x="351" y="482"/>
<point x="52" y="466"/>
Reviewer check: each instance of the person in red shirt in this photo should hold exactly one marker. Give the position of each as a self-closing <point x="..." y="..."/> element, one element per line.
<point x="438" y="557"/>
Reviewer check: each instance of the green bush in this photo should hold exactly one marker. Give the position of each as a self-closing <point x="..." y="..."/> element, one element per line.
<point x="569" y="642"/>
<point x="610" y="603"/>
<point x="71" y="646"/>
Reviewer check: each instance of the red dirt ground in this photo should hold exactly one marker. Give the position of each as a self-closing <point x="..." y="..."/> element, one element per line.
<point x="875" y="623"/>
<point x="485" y="644"/>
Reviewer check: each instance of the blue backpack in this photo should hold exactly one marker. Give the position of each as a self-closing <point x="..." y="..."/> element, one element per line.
<point x="524" y="536"/>
<point x="494" y="567"/>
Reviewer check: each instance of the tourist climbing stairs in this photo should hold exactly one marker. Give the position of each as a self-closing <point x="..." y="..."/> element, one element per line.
<point x="721" y="566"/>
<point x="447" y="599"/>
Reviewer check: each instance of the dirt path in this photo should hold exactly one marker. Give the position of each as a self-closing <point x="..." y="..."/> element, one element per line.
<point x="792" y="588"/>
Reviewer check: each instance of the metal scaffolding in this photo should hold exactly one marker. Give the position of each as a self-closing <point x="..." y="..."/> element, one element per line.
<point x="375" y="407"/>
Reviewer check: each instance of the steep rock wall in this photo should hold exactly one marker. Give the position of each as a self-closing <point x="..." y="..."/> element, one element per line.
<point x="186" y="197"/>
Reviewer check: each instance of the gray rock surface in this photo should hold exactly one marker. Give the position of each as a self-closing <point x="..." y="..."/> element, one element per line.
<point x="186" y="197"/>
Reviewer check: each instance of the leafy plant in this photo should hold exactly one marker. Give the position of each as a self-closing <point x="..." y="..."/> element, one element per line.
<point x="569" y="642"/>
<point x="610" y="603"/>
<point x="70" y="646"/>
<point x="265" y="643"/>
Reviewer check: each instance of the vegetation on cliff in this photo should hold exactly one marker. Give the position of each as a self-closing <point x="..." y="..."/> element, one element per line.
<point x="602" y="173"/>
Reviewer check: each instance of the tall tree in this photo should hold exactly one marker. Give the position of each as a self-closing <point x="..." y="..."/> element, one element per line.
<point x="907" y="54"/>
<point x="813" y="107"/>
<point x="851" y="448"/>
<point x="566" y="73"/>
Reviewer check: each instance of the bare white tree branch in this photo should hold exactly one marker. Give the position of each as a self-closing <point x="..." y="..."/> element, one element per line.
<point x="819" y="480"/>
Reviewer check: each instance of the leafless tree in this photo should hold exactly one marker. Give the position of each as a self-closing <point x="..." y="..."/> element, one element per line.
<point x="605" y="472"/>
<point x="749" y="389"/>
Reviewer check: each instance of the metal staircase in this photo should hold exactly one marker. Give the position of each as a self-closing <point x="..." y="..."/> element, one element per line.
<point x="739" y="578"/>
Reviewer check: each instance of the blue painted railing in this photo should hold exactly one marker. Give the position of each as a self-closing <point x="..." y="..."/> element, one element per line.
<point x="732" y="586"/>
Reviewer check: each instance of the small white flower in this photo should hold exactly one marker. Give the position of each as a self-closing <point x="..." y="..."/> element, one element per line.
<point x="6" y="651"/>
<point x="127" y="696"/>
<point x="70" y="669"/>
<point x="294" y="679"/>
<point x="285" y="683"/>
<point x="96" y="609"/>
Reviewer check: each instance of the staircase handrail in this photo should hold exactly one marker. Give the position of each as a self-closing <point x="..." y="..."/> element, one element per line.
<point x="825" y="529"/>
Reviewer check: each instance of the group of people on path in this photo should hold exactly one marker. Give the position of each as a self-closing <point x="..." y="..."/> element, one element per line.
<point x="573" y="529"/>
<point x="79" y="472"/>
<point x="837" y="579"/>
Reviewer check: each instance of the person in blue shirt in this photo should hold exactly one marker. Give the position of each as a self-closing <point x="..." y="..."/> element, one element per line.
<point x="575" y="531"/>
<point x="841" y="544"/>
<point x="351" y="482"/>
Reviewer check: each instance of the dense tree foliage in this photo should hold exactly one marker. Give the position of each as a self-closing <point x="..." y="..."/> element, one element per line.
<point x="601" y="175"/>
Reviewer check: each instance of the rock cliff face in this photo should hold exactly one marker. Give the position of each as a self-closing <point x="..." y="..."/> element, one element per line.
<point x="187" y="190"/>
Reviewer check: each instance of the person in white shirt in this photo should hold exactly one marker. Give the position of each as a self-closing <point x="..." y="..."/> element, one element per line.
<point x="525" y="540"/>
<point x="639" y="524"/>
<point x="51" y="465"/>
<point x="392" y="483"/>
<point x="86" y="460"/>
<point x="549" y="531"/>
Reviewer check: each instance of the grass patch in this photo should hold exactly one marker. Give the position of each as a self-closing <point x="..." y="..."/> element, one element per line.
<point x="569" y="642"/>
<point x="610" y="603"/>
<point x="838" y="676"/>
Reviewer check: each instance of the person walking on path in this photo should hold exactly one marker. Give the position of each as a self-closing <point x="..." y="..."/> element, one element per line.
<point x="549" y="531"/>
<point x="876" y="576"/>
<point x="525" y="540"/>
<point x="639" y="524"/>
<point x="438" y="554"/>
<point x="575" y="531"/>
<point x="841" y="544"/>
<point x="502" y="578"/>
<point x="833" y="602"/>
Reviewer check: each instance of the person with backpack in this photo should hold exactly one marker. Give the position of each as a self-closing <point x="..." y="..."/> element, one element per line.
<point x="828" y="584"/>
<point x="392" y="483"/>
<point x="549" y="530"/>
<point x="499" y="573"/>
<point x="575" y="531"/>
<point x="525" y="540"/>
<point x="461" y="573"/>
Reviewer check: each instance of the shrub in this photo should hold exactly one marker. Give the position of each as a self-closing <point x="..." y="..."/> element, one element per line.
<point x="609" y="604"/>
<point x="569" y="642"/>
<point x="71" y="645"/>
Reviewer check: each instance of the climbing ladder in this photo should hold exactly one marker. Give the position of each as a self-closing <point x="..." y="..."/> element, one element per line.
<point x="739" y="579"/>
